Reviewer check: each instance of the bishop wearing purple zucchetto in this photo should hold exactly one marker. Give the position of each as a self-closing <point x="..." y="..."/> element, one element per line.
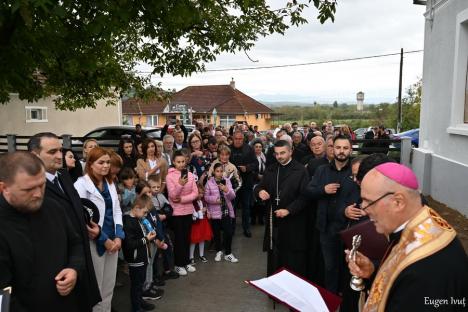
<point x="425" y="267"/>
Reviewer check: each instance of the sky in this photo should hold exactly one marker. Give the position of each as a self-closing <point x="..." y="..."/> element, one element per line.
<point x="361" y="28"/>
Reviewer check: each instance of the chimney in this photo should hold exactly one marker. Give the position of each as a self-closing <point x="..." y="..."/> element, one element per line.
<point x="233" y="84"/>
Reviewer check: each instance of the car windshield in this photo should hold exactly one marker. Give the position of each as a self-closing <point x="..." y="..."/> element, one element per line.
<point x="96" y="134"/>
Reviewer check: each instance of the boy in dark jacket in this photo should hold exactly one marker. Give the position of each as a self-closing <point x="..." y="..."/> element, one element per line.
<point x="136" y="250"/>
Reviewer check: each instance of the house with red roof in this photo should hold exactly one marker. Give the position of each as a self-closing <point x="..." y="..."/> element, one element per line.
<point x="218" y="104"/>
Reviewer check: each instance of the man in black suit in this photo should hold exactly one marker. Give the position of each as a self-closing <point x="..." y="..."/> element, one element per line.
<point x="60" y="188"/>
<point x="243" y="157"/>
<point x="329" y="188"/>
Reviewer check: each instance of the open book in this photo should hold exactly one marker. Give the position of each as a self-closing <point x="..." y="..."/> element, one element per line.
<point x="297" y="293"/>
<point x="5" y="299"/>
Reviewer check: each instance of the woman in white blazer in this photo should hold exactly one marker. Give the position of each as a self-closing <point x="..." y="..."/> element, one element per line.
<point x="97" y="186"/>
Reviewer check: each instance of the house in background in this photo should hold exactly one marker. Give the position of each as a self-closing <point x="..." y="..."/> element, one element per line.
<point x="441" y="161"/>
<point x="217" y="104"/>
<point x="145" y="113"/>
<point x="27" y="118"/>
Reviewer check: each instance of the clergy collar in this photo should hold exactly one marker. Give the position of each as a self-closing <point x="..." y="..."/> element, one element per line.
<point x="395" y="235"/>
<point x="401" y="227"/>
<point x="287" y="163"/>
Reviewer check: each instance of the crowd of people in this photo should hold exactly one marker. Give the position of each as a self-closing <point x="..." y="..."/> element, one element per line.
<point x="148" y="208"/>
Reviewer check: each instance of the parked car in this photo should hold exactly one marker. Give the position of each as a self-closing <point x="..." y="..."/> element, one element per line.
<point x="413" y="134"/>
<point x="360" y="132"/>
<point x="111" y="135"/>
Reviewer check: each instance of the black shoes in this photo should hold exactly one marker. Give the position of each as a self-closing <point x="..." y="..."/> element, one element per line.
<point x="146" y="306"/>
<point x="153" y="294"/>
<point x="158" y="283"/>
<point x="248" y="234"/>
<point x="170" y="275"/>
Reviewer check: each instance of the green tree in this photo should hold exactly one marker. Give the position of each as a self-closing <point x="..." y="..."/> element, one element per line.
<point x="411" y="107"/>
<point x="335" y="104"/>
<point x="85" y="50"/>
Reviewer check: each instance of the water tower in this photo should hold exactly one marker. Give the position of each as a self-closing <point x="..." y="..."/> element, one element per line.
<point x="360" y="100"/>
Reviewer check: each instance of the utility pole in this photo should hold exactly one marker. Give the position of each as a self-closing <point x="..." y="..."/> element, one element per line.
<point x="399" y="118"/>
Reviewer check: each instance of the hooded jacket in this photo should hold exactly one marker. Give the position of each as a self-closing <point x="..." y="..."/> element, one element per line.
<point x="212" y="194"/>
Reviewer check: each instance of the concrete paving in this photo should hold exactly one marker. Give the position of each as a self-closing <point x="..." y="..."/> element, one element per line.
<point x="215" y="286"/>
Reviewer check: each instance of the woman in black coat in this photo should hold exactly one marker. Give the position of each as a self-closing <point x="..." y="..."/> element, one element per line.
<point x="70" y="164"/>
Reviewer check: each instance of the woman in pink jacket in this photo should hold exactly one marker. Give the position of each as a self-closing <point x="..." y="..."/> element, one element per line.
<point x="219" y="196"/>
<point x="182" y="191"/>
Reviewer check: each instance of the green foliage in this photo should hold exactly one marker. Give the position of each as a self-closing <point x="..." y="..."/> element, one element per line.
<point x="86" y="50"/>
<point x="373" y="115"/>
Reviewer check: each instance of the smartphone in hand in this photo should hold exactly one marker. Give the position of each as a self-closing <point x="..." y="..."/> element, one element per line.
<point x="184" y="173"/>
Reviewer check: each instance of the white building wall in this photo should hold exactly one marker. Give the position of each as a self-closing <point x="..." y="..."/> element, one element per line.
<point x="77" y="123"/>
<point x="441" y="162"/>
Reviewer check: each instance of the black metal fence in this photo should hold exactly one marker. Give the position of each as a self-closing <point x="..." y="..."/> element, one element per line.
<point x="399" y="149"/>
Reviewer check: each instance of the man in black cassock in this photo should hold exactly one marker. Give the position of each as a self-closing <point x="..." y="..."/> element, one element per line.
<point x="40" y="254"/>
<point x="285" y="231"/>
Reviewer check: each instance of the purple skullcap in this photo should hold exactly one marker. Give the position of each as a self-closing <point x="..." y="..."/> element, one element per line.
<point x="399" y="173"/>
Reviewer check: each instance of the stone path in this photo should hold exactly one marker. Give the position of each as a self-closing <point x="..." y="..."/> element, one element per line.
<point x="215" y="286"/>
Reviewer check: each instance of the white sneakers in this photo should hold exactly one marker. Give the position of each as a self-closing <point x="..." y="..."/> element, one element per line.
<point x="190" y="268"/>
<point x="219" y="254"/>
<point x="180" y="270"/>
<point x="183" y="271"/>
<point x="231" y="258"/>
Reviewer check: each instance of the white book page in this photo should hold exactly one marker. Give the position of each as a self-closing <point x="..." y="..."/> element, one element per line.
<point x="306" y="292"/>
<point x="279" y="292"/>
<point x="294" y="291"/>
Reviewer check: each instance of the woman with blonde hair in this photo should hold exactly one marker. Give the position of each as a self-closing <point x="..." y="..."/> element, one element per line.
<point x="88" y="145"/>
<point x="116" y="163"/>
<point x="97" y="186"/>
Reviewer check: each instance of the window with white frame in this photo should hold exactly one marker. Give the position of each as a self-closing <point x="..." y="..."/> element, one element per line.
<point x="226" y="120"/>
<point x="459" y="109"/>
<point x="152" y="120"/>
<point x="36" y="114"/>
<point x="466" y="96"/>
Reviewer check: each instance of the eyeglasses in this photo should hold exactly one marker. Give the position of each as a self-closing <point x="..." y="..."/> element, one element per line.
<point x="375" y="201"/>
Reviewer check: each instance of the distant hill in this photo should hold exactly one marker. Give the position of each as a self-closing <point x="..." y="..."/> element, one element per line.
<point x="290" y="103"/>
<point x="286" y="103"/>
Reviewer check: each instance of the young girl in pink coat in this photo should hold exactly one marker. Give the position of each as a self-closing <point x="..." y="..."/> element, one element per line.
<point x="182" y="191"/>
<point x="219" y="196"/>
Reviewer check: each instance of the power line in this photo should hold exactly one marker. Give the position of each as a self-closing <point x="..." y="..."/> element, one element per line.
<point x="304" y="64"/>
<point x="313" y="63"/>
